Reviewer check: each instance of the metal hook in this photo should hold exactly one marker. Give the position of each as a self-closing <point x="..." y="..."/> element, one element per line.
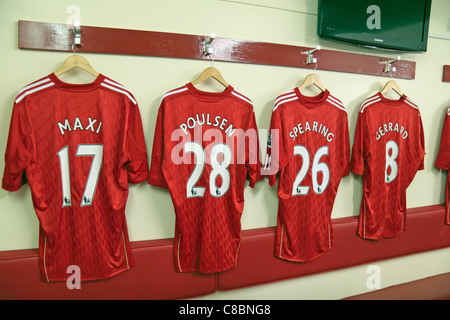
<point x="77" y="32"/>
<point x="310" y="57"/>
<point x="315" y="68"/>
<point x="207" y="48"/>
<point x="73" y="49"/>
<point x="76" y="36"/>
<point x="389" y="68"/>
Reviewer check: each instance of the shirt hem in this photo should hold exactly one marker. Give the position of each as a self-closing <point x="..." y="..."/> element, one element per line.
<point x="357" y="171"/>
<point x="303" y="259"/>
<point x="366" y="237"/>
<point x="441" y="165"/>
<point x="84" y="279"/>
<point x="184" y="270"/>
<point x="157" y="183"/>
<point x="11" y="188"/>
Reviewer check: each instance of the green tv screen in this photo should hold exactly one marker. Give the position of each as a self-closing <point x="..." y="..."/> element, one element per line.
<point x="400" y="25"/>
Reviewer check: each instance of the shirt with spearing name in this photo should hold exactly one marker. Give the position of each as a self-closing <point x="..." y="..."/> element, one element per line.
<point x="309" y="148"/>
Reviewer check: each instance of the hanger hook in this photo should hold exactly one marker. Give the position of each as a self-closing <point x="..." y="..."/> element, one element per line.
<point x="207" y="48"/>
<point x="310" y="57"/>
<point x="389" y="68"/>
<point x="76" y="35"/>
<point x="73" y="48"/>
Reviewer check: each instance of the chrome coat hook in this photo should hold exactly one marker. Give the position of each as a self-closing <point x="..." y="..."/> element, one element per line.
<point x="389" y="68"/>
<point x="207" y="48"/>
<point x="310" y="57"/>
<point x="77" y="33"/>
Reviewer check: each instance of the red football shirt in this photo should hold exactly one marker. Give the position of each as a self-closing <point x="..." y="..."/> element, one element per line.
<point x="309" y="147"/>
<point x="205" y="145"/>
<point x="443" y="161"/>
<point x="78" y="146"/>
<point x="388" y="150"/>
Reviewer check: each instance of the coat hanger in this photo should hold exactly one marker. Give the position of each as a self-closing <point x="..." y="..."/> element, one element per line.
<point x="210" y="72"/>
<point x="312" y="79"/>
<point x="392" y="84"/>
<point x="76" y="61"/>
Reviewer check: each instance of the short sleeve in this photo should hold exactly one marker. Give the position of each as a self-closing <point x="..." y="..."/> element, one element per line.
<point x="253" y="163"/>
<point x="346" y="158"/>
<point x="422" y="145"/>
<point x="137" y="165"/>
<point x="20" y="149"/>
<point x="156" y="176"/>
<point x="275" y="158"/>
<point x="443" y="157"/>
<point x="357" y="159"/>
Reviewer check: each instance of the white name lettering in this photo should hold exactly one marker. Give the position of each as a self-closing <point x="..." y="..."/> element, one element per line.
<point x="91" y="124"/>
<point x="391" y="127"/>
<point x="314" y="126"/>
<point x="205" y="118"/>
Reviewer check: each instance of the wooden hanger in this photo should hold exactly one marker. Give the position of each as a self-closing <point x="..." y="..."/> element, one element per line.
<point x="76" y="61"/>
<point x="210" y="72"/>
<point x="392" y="84"/>
<point x="312" y="79"/>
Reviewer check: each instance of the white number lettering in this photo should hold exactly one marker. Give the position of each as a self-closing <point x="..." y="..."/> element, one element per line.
<point x="96" y="151"/>
<point x="391" y="156"/>
<point x="317" y="167"/>
<point x="320" y="167"/>
<point x="197" y="150"/>
<point x="218" y="169"/>
<point x="91" y="183"/>
<point x="63" y="155"/>
<point x="298" y="190"/>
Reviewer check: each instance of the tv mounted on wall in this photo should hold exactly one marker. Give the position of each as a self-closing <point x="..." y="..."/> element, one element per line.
<point x="400" y="25"/>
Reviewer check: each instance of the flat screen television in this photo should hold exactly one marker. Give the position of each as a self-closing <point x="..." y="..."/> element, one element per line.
<point x="400" y="25"/>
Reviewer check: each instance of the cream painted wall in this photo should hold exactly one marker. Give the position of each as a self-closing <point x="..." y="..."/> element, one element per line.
<point x="149" y="209"/>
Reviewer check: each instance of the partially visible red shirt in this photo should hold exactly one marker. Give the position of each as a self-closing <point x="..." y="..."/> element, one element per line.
<point x="443" y="161"/>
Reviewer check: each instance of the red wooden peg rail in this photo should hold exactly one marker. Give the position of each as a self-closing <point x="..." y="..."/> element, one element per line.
<point x="59" y="37"/>
<point x="446" y="76"/>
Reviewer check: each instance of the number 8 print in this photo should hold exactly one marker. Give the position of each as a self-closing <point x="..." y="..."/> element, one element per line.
<point x="391" y="156"/>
